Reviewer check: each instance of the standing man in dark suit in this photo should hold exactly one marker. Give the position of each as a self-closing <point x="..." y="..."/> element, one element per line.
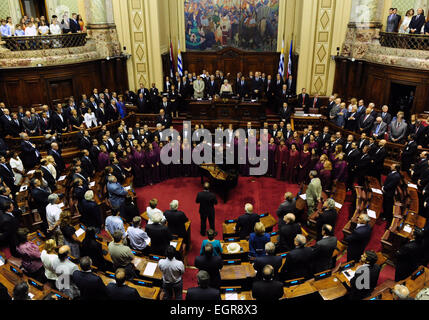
<point x="74" y="24"/>
<point x="298" y="262"/>
<point x="176" y="220"/>
<point x="30" y="124"/>
<point x="393" y="20"/>
<point x="59" y="122"/>
<point x="271" y="259"/>
<point x="324" y="249"/>
<point x="287" y="233"/>
<point x="145" y="91"/>
<point x="285" y="112"/>
<point x="365" y="122"/>
<point x="8" y="226"/>
<point x="291" y="86"/>
<point x="29" y="153"/>
<point x="119" y="291"/>
<point x="278" y="84"/>
<point x="417" y="22"/>
<point x="327" y="217"/>
<point x="409" y="153"/>
<point x="389" y="189"/>
<point x="55" y="152"/>
<point x="315" y="102"/>
<point x="267" y="289"/>
<point x="246" y="222"/>
<point x="210" y="263"/>
<point x="377" y="159"/>
<point x="91" y="286"/>
<point x="242" y="90"/>
<point x="203" y="292"/>
<point x="359" y="238"/>
<point x="207" y="201"/>
<point x="163" y="118"/>
<point x="7" y="175"/>
<point x="304" y="100"/>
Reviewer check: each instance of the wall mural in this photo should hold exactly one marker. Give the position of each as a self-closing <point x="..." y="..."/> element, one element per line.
<point x="245" y="24"/>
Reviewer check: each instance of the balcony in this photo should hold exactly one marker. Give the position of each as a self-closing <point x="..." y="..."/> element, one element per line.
<point x="404" y="41"/>
<point x="45" y="42"/>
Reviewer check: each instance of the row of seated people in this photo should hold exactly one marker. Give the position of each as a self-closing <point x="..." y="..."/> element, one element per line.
<point x="365" y="119"/>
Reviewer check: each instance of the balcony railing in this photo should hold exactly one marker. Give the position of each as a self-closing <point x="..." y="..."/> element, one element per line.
<point x="45" y="42"/>
<point x="404" y="41"/>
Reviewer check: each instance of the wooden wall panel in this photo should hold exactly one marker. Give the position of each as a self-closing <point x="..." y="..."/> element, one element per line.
<point x="27" y="86"/>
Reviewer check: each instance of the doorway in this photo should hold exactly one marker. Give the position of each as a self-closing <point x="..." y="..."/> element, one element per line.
<point x="401" y="99"/>
<point x="34" y="8"/>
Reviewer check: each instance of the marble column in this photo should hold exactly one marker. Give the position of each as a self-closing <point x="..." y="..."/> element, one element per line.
<point x="101" y="27"/>
<point x="363" y="28"/>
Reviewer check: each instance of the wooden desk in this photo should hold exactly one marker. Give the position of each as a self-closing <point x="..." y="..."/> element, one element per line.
<point x="242" y="295"/>
<point x="229" y="228"/>
<point x="330" y="288"/>
<point x="298" y="291"/>
<point x="244" y="244"/>
<point x="237" y="272"/>
<point x="150" y="293"/>
<point x="140" y="264"/>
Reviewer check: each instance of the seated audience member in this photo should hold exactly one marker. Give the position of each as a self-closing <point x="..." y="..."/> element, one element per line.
<point x="246" y="223"/>
<point x="93" y="249"/>
<point x="153" y="209"/>
<point x="203" y="292"/>
<point x="328" y="216"/>
<point x="121" y="255"/>
<point x="324" y="249"/>
<point x="176" y="220"/>
<point x="91" y="287"/>
<point x="210" y="263"/>
<point x="137" y="237"/>
<point x="359" y="238"/>
<point x="298" y="262"/>
<point x="257" y="241"/>
<point x="172" y="272"/>
<point x="401" y="292"/>
<point x="267" y="289"/>
<point x="119" y="291"/>
<point x="29" y="252"/>
<point x="20" y="292"/>
<point x="217" y="247"/>
<point x="287" y="233"/>
<point x="269" y="258"/>
<point x="65" y="268"/>
<point x="159" y="235"/>
<point x="369" y="260"/>
<point x="288" y="206"/>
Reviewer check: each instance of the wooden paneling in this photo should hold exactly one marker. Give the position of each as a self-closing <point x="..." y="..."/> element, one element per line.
<point x="27" y="86"/>
<point x="231" y="60"/>
<point x="373" y="82"/>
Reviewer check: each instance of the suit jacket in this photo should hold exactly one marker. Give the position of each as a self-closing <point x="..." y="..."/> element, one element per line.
<point x="199" y="88"/>
<point x="391" y="182"/>
<point x="74" y="26"/>
<point x="30" y="124"/>
<point x="287" y="234"/>
<point x="267" y="290"/>
<point x="117" y="194"/>
<point x="286" y="113"/>
<point x="378" y="157"/>
<point x="176" y="222"/>
<point x="57" y="125"/>
<point x="212" y="265"/>
<point x="304" y="100"/>
<point x="91" y="214"/>
<point x="7" y="174"/>
<point x="13" y="128"/>
<point x="261" y="262"/>
<point x="298" y="264"/>
<point x="387" y="117"/>
<point x="30" y="156"/>
<point x="87" y="166"/>
<point x="242" y="89"/>
<point x="91" y="286"/>
<point x="203" y="294"/>
<point x="328" y="216"/>
<point x="102" y="115"/>
<point x="47" y="175"/>
<point x="8" y="228"/>
<point x="366" y="124"/>
<point x="359" y="293"/>
<point x="408" y="258"/>
<point x="357" y="242"/>
<point x="322" y="254"/>
<point x="166" y="121"/>
<point x="212" y="89"/>
<point x="393" y="23"/>
<point x="58" y="160"/>
<point x="121" y="293"/>
<point x="417" y="23"/>
<point x="246" y="224"/>
<point x="207" y="201"/>
<point x="160" y="238"/>
<point x="291" y="87"/>
<point x="285" y="208"/>
<point x="381" y="131"/>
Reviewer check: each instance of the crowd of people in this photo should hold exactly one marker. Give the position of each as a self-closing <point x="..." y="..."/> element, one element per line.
<point x="411" y="23"/>
<point x="316" y="158"/>
<point x="30" y="26"/>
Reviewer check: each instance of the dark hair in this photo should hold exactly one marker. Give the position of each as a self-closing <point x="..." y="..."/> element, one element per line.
<point x="20" y="292"/>
<point x="117" y="235"/>
<point x="22" y="235"/>
<point x="170" y="253"/>
<point x="371" y="257"/>
<point x="211" y="234"/>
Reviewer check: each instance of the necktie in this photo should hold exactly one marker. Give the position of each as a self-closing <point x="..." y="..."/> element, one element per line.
<point x="378" y="128"/>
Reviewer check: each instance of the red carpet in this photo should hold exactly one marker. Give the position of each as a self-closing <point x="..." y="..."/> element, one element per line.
<point x="264" y="193"/>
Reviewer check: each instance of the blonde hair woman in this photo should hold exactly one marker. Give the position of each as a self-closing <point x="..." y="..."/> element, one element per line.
<point x="257" y="241"/>
<point x="51" y="166"/>
<point x="50" y="260"/>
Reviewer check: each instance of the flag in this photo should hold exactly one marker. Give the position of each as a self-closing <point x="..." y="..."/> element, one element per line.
<point x="282" y="61"/>
<point x="171" y="61"/>
<point x="289" y="65"/>
<point x="179" y="62"/>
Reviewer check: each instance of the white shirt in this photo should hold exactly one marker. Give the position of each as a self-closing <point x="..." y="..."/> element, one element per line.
<point x="151" y="212"/>
<point x="50" y="262"/>
<point x="52" y="170"/>
<point x="138" y="238"/>
<point x="55" y="29"/>
<point x="53" y="212"/>
<point x="17" y="164"/>
<point x="44" y="30"/>
<point x="31" y="31"/>
<point x="90" y="119"/>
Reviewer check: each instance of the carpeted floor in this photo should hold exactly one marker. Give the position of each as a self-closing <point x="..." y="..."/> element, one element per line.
<point x="264" y="193"/>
